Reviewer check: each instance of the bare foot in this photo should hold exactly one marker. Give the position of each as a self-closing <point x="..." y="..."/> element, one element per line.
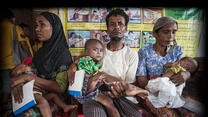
<point x="134" y="90"/>
<point x="68" y="108"/>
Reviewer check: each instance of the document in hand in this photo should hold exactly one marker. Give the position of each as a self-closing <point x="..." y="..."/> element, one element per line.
<point x="76" y="87"/>
<point x="28" y="99"/>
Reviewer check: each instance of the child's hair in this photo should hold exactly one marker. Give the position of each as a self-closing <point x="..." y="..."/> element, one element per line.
<point x="90" y="41"/>
<point x="192" y="63"/>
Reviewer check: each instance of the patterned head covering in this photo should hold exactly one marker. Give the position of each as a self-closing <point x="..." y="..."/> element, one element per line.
<point x="163" y="21"/>
<point x="54" y="56"/>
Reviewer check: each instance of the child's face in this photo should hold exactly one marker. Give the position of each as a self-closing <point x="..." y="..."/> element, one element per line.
<point x="96" y="51"/>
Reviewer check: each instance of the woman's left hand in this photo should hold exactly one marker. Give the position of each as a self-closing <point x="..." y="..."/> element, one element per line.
<point x="180" y="78"/>
<point x="18" y="93"/>
<point x="21" y="79"/>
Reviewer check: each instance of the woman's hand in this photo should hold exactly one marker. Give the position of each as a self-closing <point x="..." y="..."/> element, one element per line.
<point x="18" y="93"/>
<point x="71" y="72"/>
<point x="21" y="79"/>
<point x="17" y="83"/>
<point x="180" y="78"/>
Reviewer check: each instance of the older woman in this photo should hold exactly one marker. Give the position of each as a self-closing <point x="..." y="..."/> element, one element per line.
<point x="51" y="61"/>
<point x="153" y="57"/>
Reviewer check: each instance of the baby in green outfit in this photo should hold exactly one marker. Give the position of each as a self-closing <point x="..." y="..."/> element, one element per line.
<point x="91" y="64"/>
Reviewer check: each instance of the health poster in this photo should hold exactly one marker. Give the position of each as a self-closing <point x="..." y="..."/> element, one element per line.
<point x="81" y="24"/>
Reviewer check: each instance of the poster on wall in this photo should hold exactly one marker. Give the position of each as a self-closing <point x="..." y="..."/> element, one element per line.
<point x="147" y="38"/>
<point x="77" y="38"/>
<point x="134" y="14"/>
<point x="189" y="28"/>
<point x="150" y="15"/>
<point x="78" y="14"/>
<point x="85" y="23"/>
<point x="99" y="14"/>
<point x="101" y="35"/>
<point x="132" y="39"/>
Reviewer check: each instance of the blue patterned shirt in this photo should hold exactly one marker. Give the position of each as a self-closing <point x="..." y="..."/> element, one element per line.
<point x="152" y="64"/>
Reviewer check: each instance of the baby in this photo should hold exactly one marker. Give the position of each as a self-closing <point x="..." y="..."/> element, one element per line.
<point x="163" y="92"/>
<point x="40" y="95"/>
<point x="91" y="63"/>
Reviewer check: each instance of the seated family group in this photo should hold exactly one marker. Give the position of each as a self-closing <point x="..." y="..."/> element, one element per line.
<point x="118" y="82"/>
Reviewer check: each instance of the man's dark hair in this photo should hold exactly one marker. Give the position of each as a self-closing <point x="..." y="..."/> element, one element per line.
<point x="117" y="12"/>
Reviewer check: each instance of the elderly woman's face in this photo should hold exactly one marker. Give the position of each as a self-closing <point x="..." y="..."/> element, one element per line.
<point x="166" y="34"/>
<point x="43" y="28"/>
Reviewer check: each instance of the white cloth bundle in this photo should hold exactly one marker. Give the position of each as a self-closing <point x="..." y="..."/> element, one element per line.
<point x="164" y="93"/>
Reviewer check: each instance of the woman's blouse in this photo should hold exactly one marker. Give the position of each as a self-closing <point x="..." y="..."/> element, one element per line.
<point x="62" y="80"/>
<point x="152" y="64"/>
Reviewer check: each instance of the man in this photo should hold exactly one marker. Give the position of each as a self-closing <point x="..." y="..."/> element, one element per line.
<point x="119" y="63"/>
<point x="6" y="56"/>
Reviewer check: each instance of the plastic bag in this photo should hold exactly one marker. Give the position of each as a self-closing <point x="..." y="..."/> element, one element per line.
<point x="164" y="93"/>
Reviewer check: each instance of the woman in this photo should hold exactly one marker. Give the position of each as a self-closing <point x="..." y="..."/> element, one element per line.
<point x="51" y="61"/>
<point x="153" y="57"/>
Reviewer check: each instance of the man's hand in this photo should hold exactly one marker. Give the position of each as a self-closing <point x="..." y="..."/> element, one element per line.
<point x="93" y="81"/>
<point x="117" y="87"/>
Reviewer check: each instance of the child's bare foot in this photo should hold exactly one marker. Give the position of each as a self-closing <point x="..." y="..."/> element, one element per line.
<point x="134" y="90"/>
<point x="68" y="108"/>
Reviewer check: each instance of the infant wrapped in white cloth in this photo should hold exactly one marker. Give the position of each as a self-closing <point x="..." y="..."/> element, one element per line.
<point x="164" y="93"/>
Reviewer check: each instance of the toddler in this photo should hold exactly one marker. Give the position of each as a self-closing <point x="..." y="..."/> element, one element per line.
<point x="91" y="63"/>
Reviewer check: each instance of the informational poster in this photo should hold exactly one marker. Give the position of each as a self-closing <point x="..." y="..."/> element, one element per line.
<point x="81" y="24"/>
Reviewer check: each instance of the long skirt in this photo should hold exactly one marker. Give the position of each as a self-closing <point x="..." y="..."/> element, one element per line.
<point x="125" y="108"/>
<point x="167" y="112"/>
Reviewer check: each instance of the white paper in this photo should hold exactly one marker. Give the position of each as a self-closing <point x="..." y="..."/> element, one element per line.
<point x="28" y="99"/>
<point x="76" y="87"/>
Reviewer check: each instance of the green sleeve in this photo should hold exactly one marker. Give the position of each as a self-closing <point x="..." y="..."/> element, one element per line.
<point x="62" y="80"/>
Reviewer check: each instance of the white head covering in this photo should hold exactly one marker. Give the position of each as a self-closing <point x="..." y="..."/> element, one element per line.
<point x="163" y="21"/>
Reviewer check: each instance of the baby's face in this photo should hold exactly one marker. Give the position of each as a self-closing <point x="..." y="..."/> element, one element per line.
<point x="96" y="51"/>
<point x="22" y="68"/>
<point x="28" y="68"/>
<point x="186" y="64"/>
